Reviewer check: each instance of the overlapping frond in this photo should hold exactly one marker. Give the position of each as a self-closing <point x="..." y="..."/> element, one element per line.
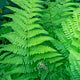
<point x="71" y="29"/>
<point x="27" y="55"/>
<point x="57" y="12"/>
<point x="52" y="17"/>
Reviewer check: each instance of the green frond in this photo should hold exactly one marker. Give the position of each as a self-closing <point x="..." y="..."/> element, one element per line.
<point x="46" y="56"/>
<point x="15" y="49"/>
<point x="28" y="51"/>
<point x="38" y="40"/>
<point x="71" y="29"/>
<point x="12" y="60"/>
<point x="57" y="12"/>
<point x="3" y="55"/>
<point x="52" y="17"/>
<point x="41" y="49"/>
<point x="15" y="39"/>
<point x="52" y="60"/>
<point x="62" y="38"/>
<point x="36" y="32"/>
<point x="75" y="64"/>
<point x="71" y="26"/>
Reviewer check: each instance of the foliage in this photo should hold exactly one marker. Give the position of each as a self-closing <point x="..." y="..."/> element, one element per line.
<point x="53" y="16"/>
<point x="71" y="29"/>
<point x="27" y="50"/>
<point x="40" y="40"/>
<point x="61" y="10"/>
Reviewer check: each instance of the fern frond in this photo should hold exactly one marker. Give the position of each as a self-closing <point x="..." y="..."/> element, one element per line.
<point x="27" y="52"/>
<point x="57" y="12"/>
<point x="71" y="29"/>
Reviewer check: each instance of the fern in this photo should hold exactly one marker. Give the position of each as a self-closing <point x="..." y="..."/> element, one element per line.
<point x="71" y="29"/>
<point x="50" y="22"/>
<point x="52" y="17"/>
<point x="27" y="56"/>
<point x="57" y="12"/>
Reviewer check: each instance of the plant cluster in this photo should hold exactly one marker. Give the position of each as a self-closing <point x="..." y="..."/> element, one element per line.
<point x="41" y="41"/>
